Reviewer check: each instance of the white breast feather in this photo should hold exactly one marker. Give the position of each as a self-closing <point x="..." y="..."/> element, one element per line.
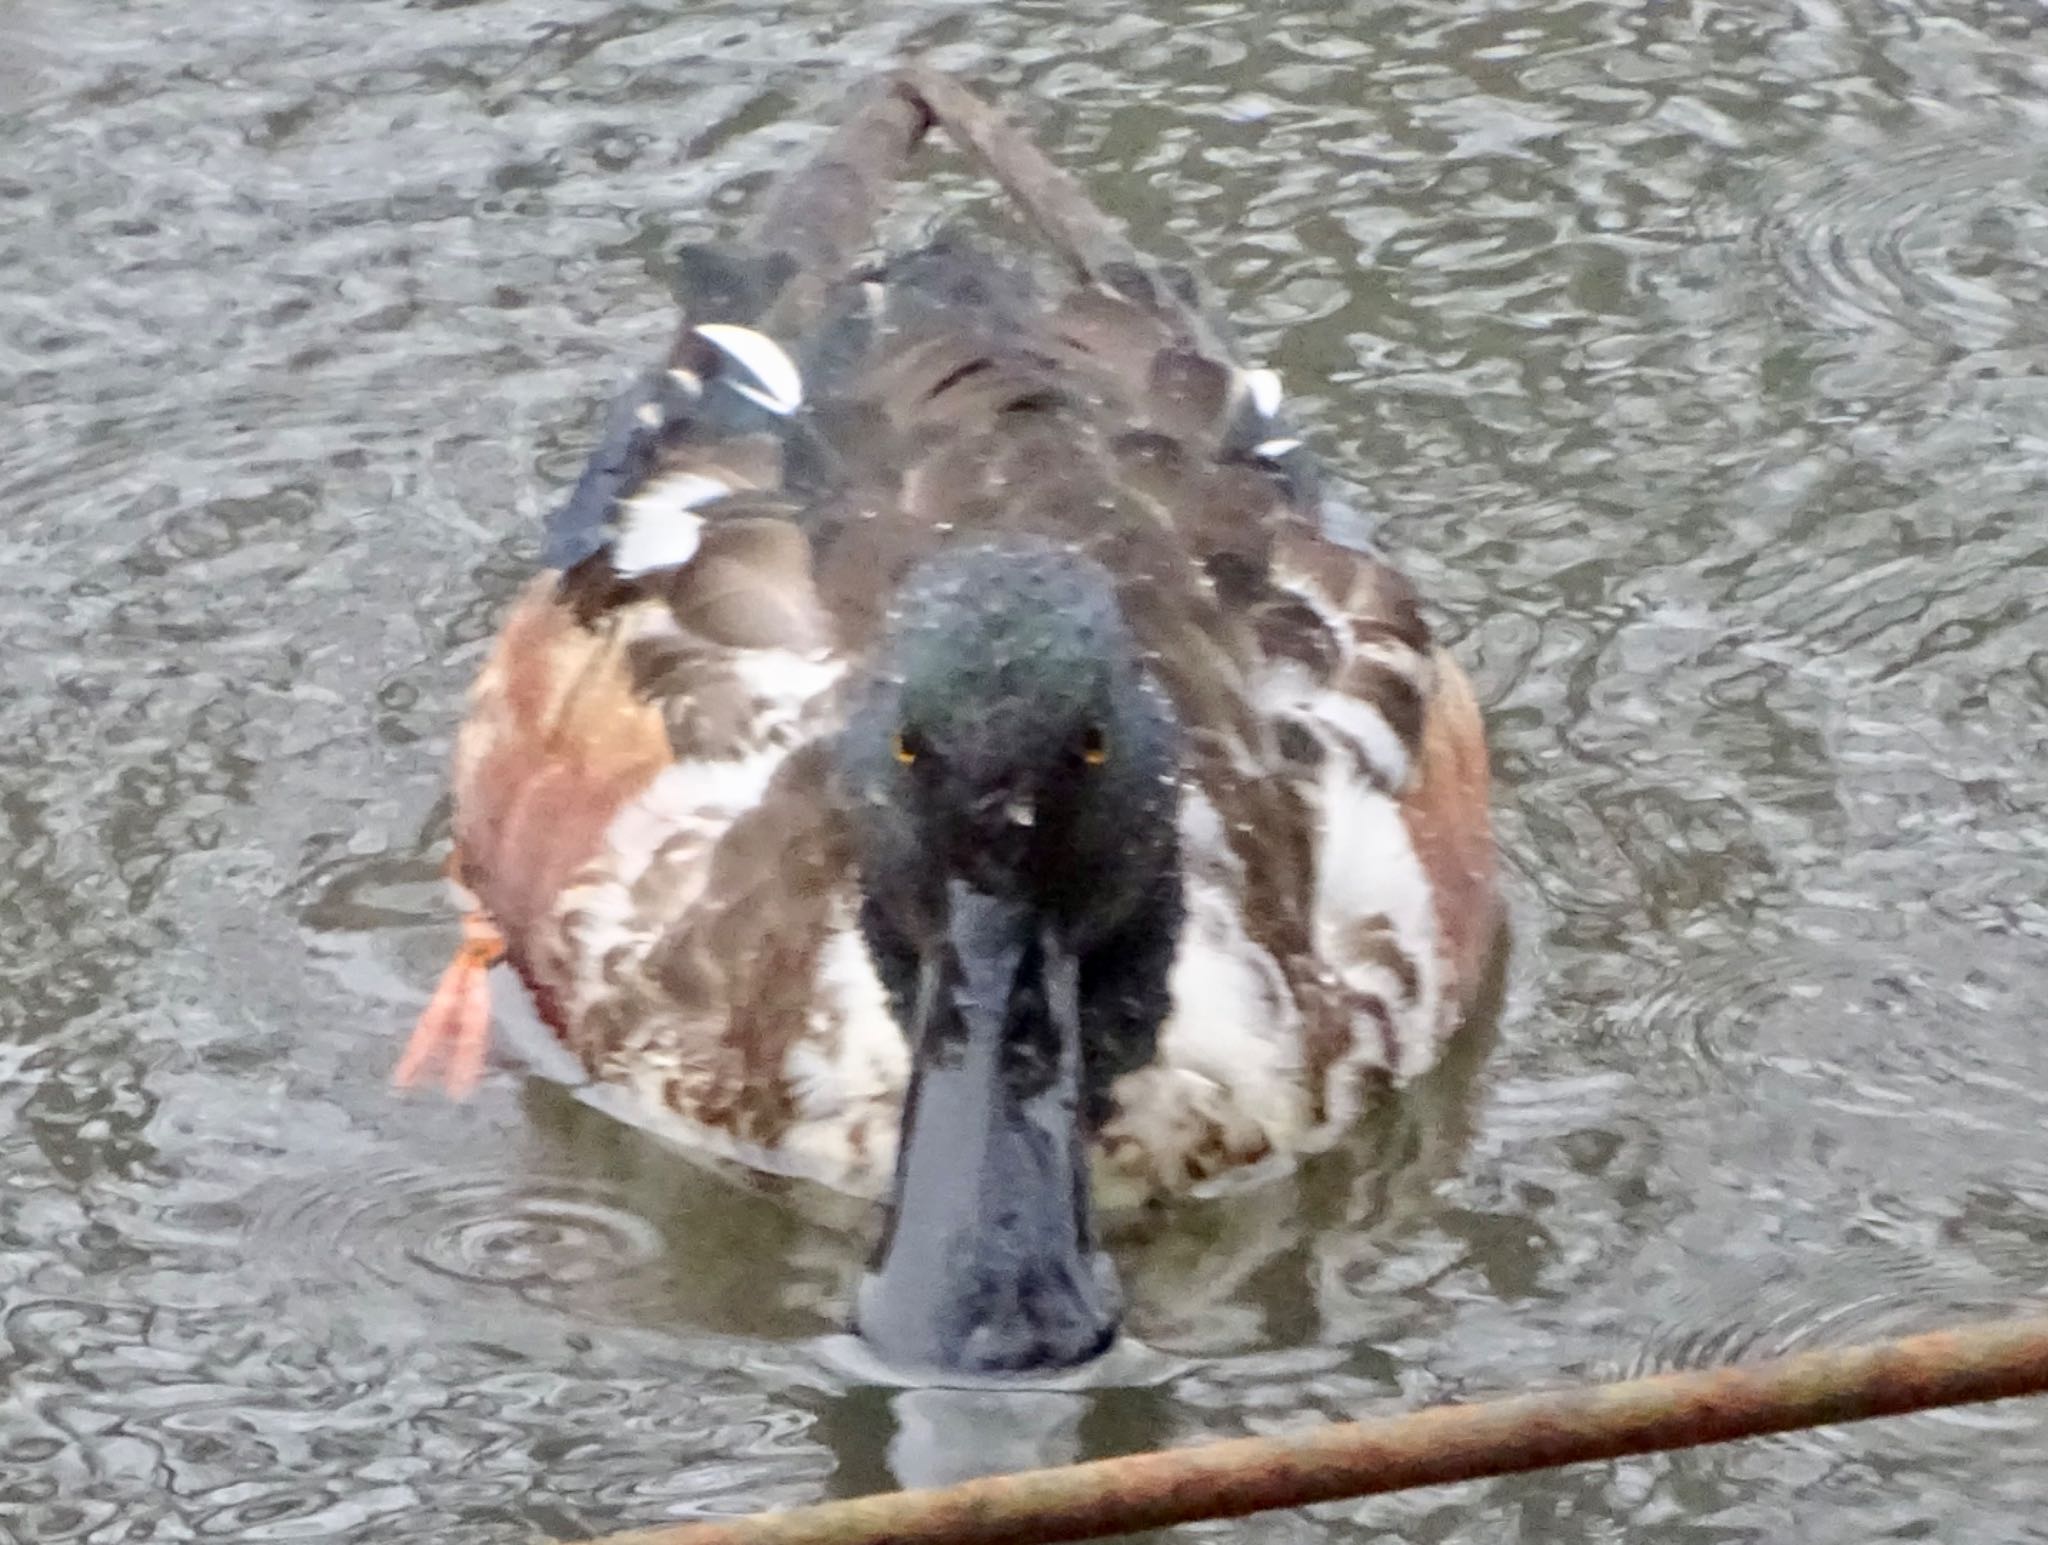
<point x="788" y="683"/>
<point x="1226" y="1081"/>
<point x="1366" y="866"/>
<point x="1233" y="1021"/>
<point x="848" y="1072"/>
<point x="1286" y="690"/>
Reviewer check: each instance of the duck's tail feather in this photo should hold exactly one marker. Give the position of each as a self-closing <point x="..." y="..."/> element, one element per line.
<point x="815" y="220"/>
<point x="1054" y="203"/>
<point x="1147" y="320"/>
<point x="1051" y="200"/>
<point x="810" y="227"/>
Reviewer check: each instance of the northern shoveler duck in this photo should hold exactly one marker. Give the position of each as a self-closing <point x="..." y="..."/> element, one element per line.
<point x="944" y="755"/>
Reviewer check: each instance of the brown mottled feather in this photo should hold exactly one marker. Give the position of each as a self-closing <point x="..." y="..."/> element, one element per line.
<point x="774" y="873"/>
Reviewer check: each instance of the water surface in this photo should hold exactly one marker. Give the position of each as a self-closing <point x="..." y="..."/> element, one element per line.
<point x="1693" y="355"/>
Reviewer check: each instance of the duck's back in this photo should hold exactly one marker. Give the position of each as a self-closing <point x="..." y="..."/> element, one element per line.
<point x="646" y="804"/>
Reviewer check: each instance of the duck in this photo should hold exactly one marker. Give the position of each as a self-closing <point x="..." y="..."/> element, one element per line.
<point x="944" y="755"/>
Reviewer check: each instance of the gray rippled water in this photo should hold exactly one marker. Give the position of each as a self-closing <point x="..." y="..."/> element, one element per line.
<point x="1693" y="354"/>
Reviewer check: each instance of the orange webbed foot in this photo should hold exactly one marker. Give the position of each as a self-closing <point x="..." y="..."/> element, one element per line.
<point x="456" y="1023"/>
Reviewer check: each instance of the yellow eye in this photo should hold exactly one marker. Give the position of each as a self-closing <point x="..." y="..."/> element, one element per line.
<point x="904" y="751"/>
<point x="1094" y="746"/>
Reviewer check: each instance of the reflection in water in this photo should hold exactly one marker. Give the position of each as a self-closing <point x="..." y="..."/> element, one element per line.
<point x="1692" y="356"/>
<point x="948" y="1435"/>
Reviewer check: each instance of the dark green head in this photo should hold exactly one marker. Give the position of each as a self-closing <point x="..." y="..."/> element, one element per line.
<point x="1013" y="777"/>
<point x="1014" y="740"/>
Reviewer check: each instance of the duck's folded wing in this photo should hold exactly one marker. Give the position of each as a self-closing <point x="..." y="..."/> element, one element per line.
<point x="678" y="623"/>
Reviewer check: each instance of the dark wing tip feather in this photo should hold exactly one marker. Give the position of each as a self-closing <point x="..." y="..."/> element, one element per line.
<point x="625" y="454"/>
